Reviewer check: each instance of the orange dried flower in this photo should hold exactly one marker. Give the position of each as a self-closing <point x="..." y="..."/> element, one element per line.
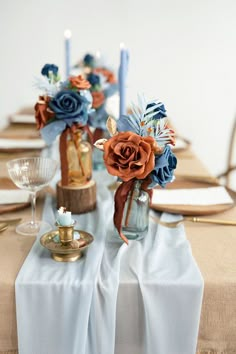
<point x="110" y="77"/>
<point x="128" y="155"/>
<point x="79" y="82"/>
<point x="42" y="112"/>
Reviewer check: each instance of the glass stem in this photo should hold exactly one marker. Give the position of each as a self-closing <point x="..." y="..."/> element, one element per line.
<point x="33" y="207"/>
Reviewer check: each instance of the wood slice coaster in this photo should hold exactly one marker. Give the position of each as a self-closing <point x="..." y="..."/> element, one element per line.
<point x="78" y="200"/>
<point x="194" y="210"/>
<point x="6" y="183"/>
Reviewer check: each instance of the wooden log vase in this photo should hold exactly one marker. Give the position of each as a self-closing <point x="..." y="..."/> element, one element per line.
<point x="78" y="200"/>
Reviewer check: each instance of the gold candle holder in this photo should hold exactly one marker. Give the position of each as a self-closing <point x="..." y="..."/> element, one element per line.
<point x="66" y="233"/>
<point x="62" y="244"/>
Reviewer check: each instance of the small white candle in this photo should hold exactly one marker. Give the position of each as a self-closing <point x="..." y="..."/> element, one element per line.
<point x="64" y="217"/>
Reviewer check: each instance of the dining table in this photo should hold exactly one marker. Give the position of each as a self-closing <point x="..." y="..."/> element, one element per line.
<point x="213" y="247"/>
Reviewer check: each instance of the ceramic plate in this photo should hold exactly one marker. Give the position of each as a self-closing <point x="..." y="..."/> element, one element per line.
<point x="6" y="183"/>
<point x="194" y="210"/>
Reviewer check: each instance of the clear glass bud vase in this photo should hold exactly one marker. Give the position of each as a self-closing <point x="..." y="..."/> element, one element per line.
<point x="136" y="213"/>
<point x="79" y="156"/>
<point x="98" y="162"/>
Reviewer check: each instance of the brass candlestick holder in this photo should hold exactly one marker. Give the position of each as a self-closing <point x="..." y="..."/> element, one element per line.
<point x="66" y="233"/>
<point x="66" y="244"/>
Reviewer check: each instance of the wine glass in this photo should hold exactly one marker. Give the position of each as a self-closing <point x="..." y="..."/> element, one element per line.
<point x="32" y="174"/>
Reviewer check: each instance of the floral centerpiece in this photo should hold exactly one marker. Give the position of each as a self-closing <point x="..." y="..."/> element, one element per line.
<point x="63" y="109"/>
<point x="103" y="85"/>
<point x="138" y="152"/>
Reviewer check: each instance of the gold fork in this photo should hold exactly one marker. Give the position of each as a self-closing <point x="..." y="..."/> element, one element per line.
<point x="4" y="224"/>
<point x="174" y="224"/>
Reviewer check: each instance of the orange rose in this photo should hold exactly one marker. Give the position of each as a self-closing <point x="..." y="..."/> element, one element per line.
<point x="42" y="112"/>
<point x="108" y="75"/>
<point x="98" y="99"/>
<point x="128" y="155"/>
<point x="79" y="83"/>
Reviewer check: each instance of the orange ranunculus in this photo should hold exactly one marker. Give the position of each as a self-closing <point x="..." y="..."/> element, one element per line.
<point x="98" y="99"/>
<point x="79" y="83"/>
<point x="42" y="112"/>
<point x="110" y="77"/>
<point x="128" y="155"/>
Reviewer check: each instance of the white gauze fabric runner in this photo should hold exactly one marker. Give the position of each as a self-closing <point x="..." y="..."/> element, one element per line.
<point x="144" y="298"/>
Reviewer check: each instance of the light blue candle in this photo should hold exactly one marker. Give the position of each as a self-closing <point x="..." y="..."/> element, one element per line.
<point x="64" y="217"/>
<point x="67" y="35"/>
<point x="123" y="70"/>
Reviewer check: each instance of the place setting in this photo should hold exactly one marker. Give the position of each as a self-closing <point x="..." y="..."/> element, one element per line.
<point x="193" y="198"/>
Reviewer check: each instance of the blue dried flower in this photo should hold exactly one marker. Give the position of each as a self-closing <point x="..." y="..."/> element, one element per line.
<point x="93" y="79"/>
<point x="159" y="110"/>
<point x="69" y="105"/>
<point x="164" y="168"/>
<point x="49" y="67"/>
<point x="89" y="60"/>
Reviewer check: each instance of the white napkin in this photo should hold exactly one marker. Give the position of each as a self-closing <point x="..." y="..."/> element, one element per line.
<point x="196" y="196"/>
<point x="21" y="143"/>
<point x="13" y="196"/>
<point x="23" y="118"/>
<point x="179" y="144"/>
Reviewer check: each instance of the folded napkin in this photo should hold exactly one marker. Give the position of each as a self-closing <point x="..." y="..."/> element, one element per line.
<point x="23" y="118"/>
<point x="180" y="144"/>
<point x="13" y="196"/>
<point x="21" y="143"/>
<point x="195" y="196"/>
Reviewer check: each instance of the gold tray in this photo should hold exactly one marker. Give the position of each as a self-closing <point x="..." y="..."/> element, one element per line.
<point x="68" y="252"/>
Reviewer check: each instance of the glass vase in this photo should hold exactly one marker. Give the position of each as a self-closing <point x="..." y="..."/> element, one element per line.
<point x="98" y="162"/>
<point x="136" y="213"/>
<point x="79" y="157"/>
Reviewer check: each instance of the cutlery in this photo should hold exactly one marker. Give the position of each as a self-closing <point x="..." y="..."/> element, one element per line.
<point x="173" y="224"/>
<point x="3" y="226"/>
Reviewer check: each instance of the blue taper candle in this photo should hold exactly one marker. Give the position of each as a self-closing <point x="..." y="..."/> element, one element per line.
<point x="67" y="35"/>
<point x="123" y="70"/>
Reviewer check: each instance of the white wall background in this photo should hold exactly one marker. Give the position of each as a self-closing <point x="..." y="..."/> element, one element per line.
<point x="181" y="51"/>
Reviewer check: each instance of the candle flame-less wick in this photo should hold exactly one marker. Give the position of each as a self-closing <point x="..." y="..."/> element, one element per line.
<point x="62" y="210"/>
<point x="67" y="34"/>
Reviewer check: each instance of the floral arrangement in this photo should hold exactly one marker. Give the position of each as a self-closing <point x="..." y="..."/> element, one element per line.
<point x="62" y="109"/>
<point x="103" y="85"/>
<point x="139" y="149"/>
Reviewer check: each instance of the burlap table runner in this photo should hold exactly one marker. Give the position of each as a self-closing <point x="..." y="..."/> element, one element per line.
<point x="13" y="250"/>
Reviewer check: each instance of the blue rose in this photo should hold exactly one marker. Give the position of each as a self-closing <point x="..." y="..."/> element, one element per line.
<point x="93" y="79"/>
<point x="70" y="106"/>
<point x="164" y="168"/>
<point x="49" y="67"/>
<point x="159" y="109"/>
<point x="89" y="60"/>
